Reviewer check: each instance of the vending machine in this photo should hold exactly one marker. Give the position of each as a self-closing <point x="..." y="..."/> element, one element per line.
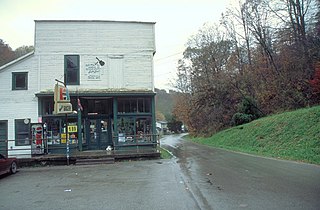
<point x="37" y="134"/>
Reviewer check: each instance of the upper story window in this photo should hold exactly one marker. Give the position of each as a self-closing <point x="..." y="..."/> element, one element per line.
<point x="19" y="80"/>
<point x="72" y="69"/>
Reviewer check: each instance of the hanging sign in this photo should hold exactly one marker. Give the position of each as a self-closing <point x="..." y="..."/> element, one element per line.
<point x="61" y="94"/>
<point x="62" y="103"/>
<point x="63" y="108"/>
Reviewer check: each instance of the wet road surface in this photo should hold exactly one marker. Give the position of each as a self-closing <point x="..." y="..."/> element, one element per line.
<point x="219" y="179"/>
<point x="198" y="177"/>
<point x="134" y="185"/>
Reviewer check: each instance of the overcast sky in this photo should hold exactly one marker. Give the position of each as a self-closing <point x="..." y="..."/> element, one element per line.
<point x="176" y="21"/>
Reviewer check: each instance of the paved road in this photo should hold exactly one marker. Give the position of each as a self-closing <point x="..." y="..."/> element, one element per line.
<point x="198" y="178"/>
<point x="219" y="179"/>
<point x="153" y="184"/>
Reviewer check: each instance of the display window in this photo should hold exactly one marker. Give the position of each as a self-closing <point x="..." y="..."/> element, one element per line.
<point x="56" y="131"/>
<point x="132" y="130"/>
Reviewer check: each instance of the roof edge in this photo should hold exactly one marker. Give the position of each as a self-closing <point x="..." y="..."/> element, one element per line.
<point x="107" y="21"/>
<point x="100" y="92"/>
<point x="16" y="60"/>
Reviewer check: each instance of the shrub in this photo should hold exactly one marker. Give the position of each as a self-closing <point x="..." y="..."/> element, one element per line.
<point x="241" y="118"/>
<point x="249" y="106"/>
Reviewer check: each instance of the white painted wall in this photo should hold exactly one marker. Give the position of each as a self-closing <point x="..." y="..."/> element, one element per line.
<point x="127" y="49"/>
<point x="93" y="37"/>
<point x="107" y="40"/>
<point x="18" y="104"/>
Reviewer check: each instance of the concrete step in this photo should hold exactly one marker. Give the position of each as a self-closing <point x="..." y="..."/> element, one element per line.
<point x="94" y="161"/>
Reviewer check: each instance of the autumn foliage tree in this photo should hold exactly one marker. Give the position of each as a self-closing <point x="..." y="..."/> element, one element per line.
<point x="315" y="84"/>
<point x="7" y="54"/>
<point x="265" y="50"/>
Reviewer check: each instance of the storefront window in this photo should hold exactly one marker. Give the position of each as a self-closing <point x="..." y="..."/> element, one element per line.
<point x="56" y="130"/>
<point x="126" y="129"/>
<point x="143" y="129"/>
<point x="53" y="131"/>
<point x="140" y="105"/>
<point x="99" y="106"/>
<point x="134" y="130"/>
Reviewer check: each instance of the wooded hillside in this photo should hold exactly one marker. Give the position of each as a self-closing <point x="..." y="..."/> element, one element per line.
<point x="262" y="58"/>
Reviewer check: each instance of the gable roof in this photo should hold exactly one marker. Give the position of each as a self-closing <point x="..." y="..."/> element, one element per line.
<point x="16" y="60"/>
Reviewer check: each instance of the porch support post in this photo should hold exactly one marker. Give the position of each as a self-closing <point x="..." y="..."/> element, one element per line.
<point x="153" y="110"/>
<point x="115" y="122"/>
<point x="79" y="130"/>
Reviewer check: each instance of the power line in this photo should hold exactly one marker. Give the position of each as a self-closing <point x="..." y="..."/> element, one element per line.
<point x="162" y="74"/>
<point x="169" y="56"/>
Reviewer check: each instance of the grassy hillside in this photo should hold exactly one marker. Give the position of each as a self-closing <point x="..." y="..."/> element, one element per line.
<point x="291" y="135"/>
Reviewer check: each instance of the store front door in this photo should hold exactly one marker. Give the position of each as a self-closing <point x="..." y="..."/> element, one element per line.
<point x="98" y="133"/>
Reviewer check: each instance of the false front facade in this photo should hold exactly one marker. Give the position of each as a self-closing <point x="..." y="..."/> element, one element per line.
<point x="107" y="67"/>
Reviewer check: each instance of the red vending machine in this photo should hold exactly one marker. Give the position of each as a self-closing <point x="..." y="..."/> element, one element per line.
<point x="37" y="146"/>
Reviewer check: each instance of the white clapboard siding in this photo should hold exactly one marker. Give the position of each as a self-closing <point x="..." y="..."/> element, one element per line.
<point x="18" y="104"/>
<point x="133" y="41"/>
<point x="138" y="68"/>
<point x="93" y="37"/>
<point x="116" y="75"/>
<point x="127" y="48"/>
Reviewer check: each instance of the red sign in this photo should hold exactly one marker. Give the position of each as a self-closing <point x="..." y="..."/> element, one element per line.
<point x="61" y="94"/>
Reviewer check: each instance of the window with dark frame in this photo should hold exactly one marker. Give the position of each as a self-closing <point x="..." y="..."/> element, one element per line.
<point x="134" y="129"/>
<point x="3" y="129"/>
<point x="134" y="105"/>
<point x="72" y="69"/>
<point x="19" y="80"/>
<point x="4" y="137"/>
<point x="46" y="106"/>
<point x="22" y="132"/>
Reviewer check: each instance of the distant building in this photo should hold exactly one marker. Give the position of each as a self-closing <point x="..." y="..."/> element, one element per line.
<point x="162" y="126"/>
<point x="108" y="69"/>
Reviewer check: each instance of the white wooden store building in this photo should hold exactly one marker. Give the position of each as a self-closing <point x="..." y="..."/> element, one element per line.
<point x="108" y="69"/>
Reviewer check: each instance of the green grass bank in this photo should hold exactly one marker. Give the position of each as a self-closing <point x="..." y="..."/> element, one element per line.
<point x="291" y="135"/>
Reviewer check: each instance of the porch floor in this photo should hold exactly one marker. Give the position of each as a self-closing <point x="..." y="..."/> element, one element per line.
<point x="93" y="156"/>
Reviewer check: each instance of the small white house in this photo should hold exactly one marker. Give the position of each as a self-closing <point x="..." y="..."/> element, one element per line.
<point x="162" y="126"/>
<point x="107" y="67"/>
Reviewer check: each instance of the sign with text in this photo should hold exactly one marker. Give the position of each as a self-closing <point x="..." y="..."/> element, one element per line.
<point x="63" y="138"/>
<point x="62" y="103"/>
<point x="64" y="108"/>
<point x="93" y="71"/>
<point x="72" y="128"/>
<point x="61" y="93"/>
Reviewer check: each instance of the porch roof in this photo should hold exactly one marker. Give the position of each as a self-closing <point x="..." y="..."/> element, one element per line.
<point x="100" y="92"/>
